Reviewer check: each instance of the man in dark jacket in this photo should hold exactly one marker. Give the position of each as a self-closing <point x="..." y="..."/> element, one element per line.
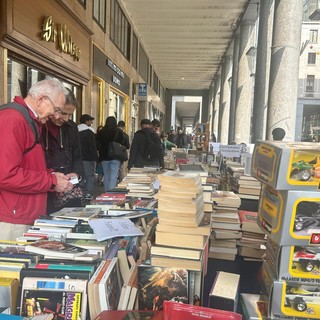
<point x="63" y="154"/>
<point x="89" y="152"/>
<point x="182" y="139"/>
<point x="146" y="149"/>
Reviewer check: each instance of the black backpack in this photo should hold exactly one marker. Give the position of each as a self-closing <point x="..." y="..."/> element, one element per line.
<point x="32" y="123"/>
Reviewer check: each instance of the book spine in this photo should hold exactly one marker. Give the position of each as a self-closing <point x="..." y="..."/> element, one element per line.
<point x="102" y="272"/>
<point x="47" y="273"/>
<point x="61" y="266"/>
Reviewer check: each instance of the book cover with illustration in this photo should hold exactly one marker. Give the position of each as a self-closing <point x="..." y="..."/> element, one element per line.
<point x="82" y="213"/>
<point x="55" y="249"/>
<point x="158" y="284"/>
<point x="64" y="298"/>
<point x="62" y="304"/>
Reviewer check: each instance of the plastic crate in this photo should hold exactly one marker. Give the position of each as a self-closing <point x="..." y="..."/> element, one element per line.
<point x="180" y="311"/>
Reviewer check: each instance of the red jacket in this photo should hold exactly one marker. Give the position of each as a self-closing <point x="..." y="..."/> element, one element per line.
<point x="24" y="179"/>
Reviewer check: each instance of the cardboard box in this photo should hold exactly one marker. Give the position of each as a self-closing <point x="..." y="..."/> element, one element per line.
<point x="294" y="263"/>
<point x="289" y="299"/>
<point x="294" y="301"/>
<point x="287" y="165"/>
<point x="290" y="217"/>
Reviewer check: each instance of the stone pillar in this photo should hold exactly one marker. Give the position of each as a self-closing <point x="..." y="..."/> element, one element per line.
<point x="224" y="106"/>
<point x="284" y="69"/>
<point x="215" y="113"/>
<point x="244" y="85"/>
<point x="261" y="85"/>
<point x="233" y="97"/>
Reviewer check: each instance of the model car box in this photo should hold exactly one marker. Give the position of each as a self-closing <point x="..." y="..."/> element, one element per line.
<point x="294" y="263"/>
<point x="280" y="306"/>
<point x="287" y="165"/>
<point x="293" y="300"/>
<point x="290" y="217"/>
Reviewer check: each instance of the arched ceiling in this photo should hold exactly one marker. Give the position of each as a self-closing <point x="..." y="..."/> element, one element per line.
<point x="185" y="39"/>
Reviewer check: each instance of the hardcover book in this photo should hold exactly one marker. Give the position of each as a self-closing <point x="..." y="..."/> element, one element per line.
<point x="19" y="256"/>
<point x="55" y="249"/>
<point x="249" y="221"/>
<point x="54" y="273"/>
<point x="225" y="291"/>
<point x="62" y="266"/>
<point x="156" y="284"/>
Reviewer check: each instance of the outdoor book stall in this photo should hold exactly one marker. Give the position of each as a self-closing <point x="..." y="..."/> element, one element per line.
<point x="187" y="236"/>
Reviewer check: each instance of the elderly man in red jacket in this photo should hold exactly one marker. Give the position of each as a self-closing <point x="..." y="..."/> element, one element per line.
<point x="24" y="178"/>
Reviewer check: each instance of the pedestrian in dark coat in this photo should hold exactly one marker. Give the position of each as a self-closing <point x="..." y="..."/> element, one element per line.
<point x="146" y="149"/>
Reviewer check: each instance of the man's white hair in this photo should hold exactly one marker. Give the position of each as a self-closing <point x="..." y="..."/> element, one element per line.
<point x="47" y="87"/>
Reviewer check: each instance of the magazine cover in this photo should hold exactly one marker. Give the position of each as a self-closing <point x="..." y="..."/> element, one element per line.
<point x="62" y="304"/>
<point x="157" y="284"/>
<point x="64" y="298"/>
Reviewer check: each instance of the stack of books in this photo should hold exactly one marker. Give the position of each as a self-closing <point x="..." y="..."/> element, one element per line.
<point x="245" y="185"/>
<point x="225" y="225"/>
<point x="252" y="245"/>
<point x="182" y="222"/>
<point x="139" y="184"/>
<point x="111" y="200"/>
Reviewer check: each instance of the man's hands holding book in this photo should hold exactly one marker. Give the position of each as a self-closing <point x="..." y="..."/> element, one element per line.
<point x="63" y="183"/>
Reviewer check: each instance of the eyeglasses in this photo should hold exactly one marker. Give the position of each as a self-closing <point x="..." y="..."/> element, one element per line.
<point x="57" y="110"/>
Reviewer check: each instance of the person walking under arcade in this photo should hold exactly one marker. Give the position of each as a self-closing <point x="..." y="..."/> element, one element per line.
<point x="110" y="132"/>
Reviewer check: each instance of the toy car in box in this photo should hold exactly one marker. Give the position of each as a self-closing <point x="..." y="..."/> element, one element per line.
<point x="287" y="165"/>
<point x="289" y="299"/>
<point x="294" y="263"/>
<point x="290" y="217"/>
<point x="292" y="299"/>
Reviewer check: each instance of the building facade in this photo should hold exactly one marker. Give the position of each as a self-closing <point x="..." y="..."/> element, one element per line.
<point x="89" y="45"/>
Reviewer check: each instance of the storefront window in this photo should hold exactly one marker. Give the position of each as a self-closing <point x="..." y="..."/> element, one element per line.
<point x="21" y="77"/>
<point x="311" y="124"/>
<point x="117" y="106"/>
